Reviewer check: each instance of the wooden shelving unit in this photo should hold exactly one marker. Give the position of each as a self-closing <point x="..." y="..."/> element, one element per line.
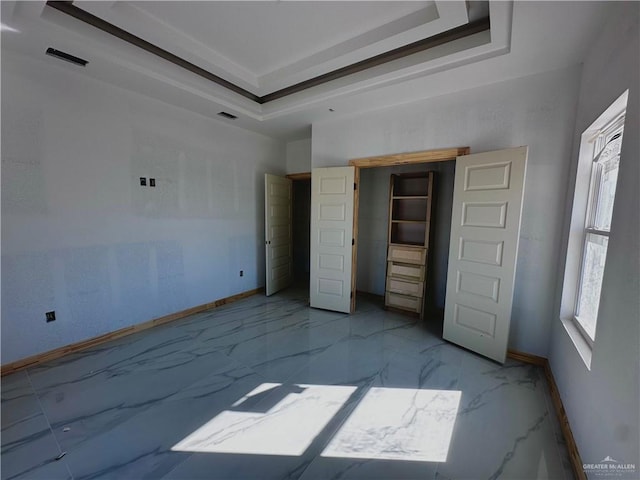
<point x="410" y="212"/>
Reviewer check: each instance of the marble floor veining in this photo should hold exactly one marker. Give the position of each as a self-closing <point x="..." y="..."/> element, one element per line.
<point x="268" y="388"/>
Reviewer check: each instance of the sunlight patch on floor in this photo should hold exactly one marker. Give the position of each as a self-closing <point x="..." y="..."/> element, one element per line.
<point x="387" y="424"/>
<point x="286" y="427"/>
<point x="398" y="424"/>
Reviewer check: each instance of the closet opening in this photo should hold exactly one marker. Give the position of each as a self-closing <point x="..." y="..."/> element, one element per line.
<point x="371" y="229"/>
<point x="373" y="233"/>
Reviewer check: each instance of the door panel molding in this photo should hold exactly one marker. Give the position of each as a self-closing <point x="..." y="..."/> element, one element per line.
<point x="485" y="230"/>
<point x="333" y="208"/>
<point x="278" y="236"/>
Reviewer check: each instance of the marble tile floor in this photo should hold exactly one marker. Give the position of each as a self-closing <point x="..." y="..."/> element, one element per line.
<point x="268" y="388"/>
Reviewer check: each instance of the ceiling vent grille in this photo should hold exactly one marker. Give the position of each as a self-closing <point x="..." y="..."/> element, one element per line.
<point x="227" y="115"/>
<point x="67" y="57"/>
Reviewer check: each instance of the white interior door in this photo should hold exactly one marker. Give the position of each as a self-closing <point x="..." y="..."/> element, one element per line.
<point x="485" y="228"/>
<point x="277" y="225"/>
<point x="332" y="211"/>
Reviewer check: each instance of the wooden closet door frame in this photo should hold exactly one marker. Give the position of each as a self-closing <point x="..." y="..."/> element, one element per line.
<point x="413" y="158"/>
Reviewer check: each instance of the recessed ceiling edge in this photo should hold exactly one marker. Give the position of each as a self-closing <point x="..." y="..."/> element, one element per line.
<point x="466" y="30"/>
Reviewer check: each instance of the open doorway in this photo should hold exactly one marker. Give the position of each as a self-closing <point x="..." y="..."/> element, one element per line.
<point x="301" y="224"/>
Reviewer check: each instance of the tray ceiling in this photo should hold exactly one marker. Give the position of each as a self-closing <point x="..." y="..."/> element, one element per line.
<point x="283" y="59"/>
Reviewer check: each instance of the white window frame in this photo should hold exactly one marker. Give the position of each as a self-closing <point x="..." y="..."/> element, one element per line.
<point x="605" y="135"/>
<point x="580" y="221"/>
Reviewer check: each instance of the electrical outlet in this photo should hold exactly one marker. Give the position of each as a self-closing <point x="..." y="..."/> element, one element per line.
<point x="51" y="316"/>
<point x="241" y="273"/>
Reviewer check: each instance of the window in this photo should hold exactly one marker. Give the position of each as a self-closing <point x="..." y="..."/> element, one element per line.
<point x="594" y="193"/>
<point x="602" y="191"/>
<point x="593" y="202"/>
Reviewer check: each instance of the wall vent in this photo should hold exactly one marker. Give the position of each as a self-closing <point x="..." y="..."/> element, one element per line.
<point x="66" y="57"/>
<point x="227" y="115"/>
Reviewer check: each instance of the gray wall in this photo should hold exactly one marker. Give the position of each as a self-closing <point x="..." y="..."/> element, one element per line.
<point x="373" y="216"/>
<point x="298" y="154"/>
<point x="80" y="235"/>
<point x="603" y="403"/>
<point x="538" y="111"/>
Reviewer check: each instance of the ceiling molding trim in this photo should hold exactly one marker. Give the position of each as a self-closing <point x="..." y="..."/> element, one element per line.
<point x="86" y="17"/>
<point x="457" y="33"/>
<point x="400" y="52"/>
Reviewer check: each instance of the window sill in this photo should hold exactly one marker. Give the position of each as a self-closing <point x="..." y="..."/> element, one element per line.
<point x="583" y="348"/>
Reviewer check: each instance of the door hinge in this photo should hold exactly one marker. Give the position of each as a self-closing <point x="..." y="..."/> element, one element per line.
<point x="351" y="294"/>
<point x="353" y="241"/>
<point x="355" y="186"/>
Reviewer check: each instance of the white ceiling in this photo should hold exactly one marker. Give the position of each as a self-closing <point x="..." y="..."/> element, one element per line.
<point x="266" y="46"/>
<point x="257" y="36"/>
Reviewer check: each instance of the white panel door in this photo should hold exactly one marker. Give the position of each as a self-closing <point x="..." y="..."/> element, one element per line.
<point x="485" y="229"/>
<point x="332" y="209"/>
<point x="277" y="225"/>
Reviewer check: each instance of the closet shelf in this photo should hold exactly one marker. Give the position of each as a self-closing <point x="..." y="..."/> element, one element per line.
<point x="410" y="209"/>
<point x="407" y="244"/>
